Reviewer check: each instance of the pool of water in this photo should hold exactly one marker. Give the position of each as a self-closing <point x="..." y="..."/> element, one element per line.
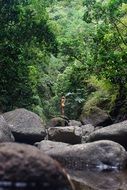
<point x="7" y="185"/>
<point x="89" y="179"/>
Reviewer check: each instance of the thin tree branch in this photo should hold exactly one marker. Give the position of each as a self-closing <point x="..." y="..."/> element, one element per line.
<point x="120" y="22"/>
<point x="119" y="32"/>
<point x="78" y="59"/>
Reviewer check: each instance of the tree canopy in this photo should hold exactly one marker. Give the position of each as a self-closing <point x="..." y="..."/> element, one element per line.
<point x="26" y="40"/>
<point x="63" y="47"/>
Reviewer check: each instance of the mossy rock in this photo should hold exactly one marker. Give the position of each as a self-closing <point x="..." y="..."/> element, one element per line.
<point x="96" y="117"/>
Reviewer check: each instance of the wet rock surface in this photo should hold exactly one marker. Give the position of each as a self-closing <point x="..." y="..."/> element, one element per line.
<point x="96" y="180"/>
<point x="25" y="163"/>
<point x="26" y="167"/>
<point x="103" y="154"/>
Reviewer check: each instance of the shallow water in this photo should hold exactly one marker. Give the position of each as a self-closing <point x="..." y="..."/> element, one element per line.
<point x="89" y="179"/>
<point x="7" y="185"/>
<point x="99" y="180"/>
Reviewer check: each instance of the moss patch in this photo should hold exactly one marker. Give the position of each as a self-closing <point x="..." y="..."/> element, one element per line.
<point x="103" y="97"/>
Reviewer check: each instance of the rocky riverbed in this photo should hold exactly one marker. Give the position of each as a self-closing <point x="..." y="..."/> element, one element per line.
<point x="33" y="153"/>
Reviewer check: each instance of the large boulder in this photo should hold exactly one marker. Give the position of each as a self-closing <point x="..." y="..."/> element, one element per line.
<point x="96" y="117"/>
<point x="5" y="132"/>
<point x="26" y="126"/>
<point x="25" y="163"/>
<point x="97" y="180"/>
<point x="47" y="145"/>
<point x="74" y="123"/>
<point x="69" y="134"/>
<point x="86" y="131"/>
<point x="58" y="121"/>
<point x="102" y="154"/>
<point x="116" y="132"/>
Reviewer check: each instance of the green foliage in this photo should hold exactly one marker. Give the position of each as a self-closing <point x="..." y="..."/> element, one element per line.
<point x="78" y="49"/>
<point x="71" y="83"/>
<point x="96" y="47"/>
<point x="26" y="40"/>
<point x="67" y="17"/>
<point x="109" y="40"/>
<point x="103" y="96"/>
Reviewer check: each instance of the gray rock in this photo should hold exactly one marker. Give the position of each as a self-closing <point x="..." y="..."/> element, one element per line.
<point x="47" y="145"/>
<point x="104" y="154"/>
<point x="74" y="123"/>
<point x="97" y="180"/>
<point x="26" y="126"/>
<point x="70" y="134"/>
<point x="86" y="131"/>
<point x="25" y="163"/>
<point x="5" y="132"/>
<point x="116" y="132"/>
<point x="96" y="116"/>
<point x="57" y="122"/>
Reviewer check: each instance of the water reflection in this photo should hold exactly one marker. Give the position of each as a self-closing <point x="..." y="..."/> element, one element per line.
<point x="83" y="180"/>
<point x="8" y="185"/>
<point x="96" y="180"/>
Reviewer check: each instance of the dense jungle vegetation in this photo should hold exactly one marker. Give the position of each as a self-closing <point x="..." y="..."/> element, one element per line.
<point x="75" y="48"/>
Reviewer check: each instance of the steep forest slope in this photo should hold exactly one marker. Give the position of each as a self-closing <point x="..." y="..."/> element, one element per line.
<point x="73" y="48"/>
<point x="92" y="43"/>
